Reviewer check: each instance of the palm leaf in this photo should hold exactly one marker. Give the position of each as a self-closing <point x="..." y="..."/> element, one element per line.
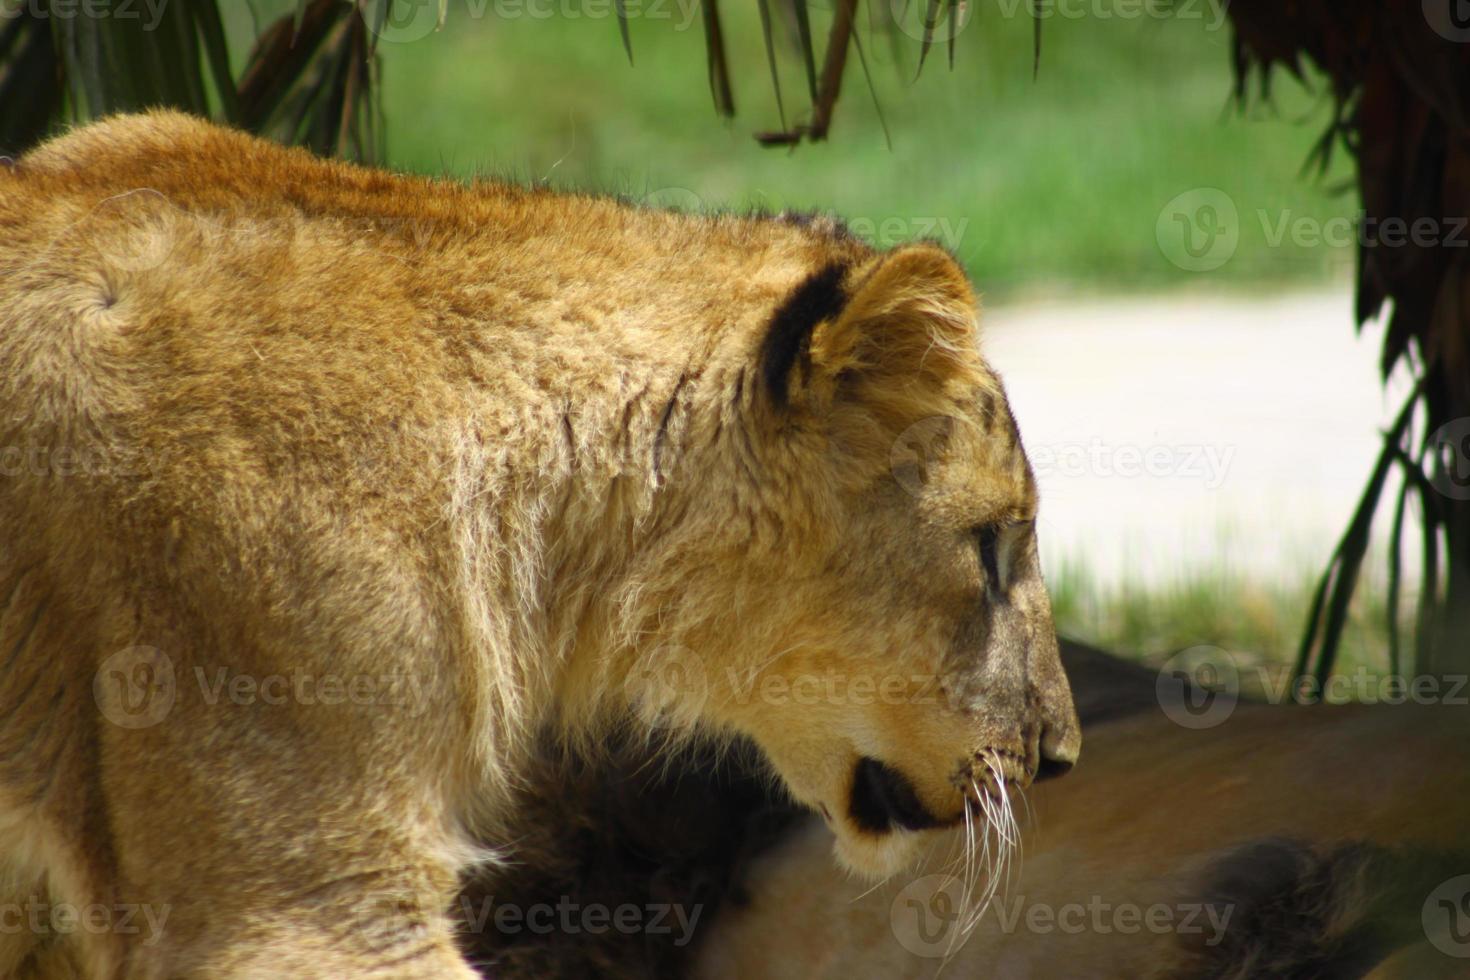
<point x="804" y="42"/>
<point x="621" y="6"/>
<point x="1035" y="38"/>
<point x="311" y="81"/>
<point x="1335" y="590"/>
<point x="718" y="59"/>
<point x="954" y="29"/>
<point x="931" y="21"/>
<point x="300" y="16"/>
<point x="56" y="65"/>
<point x="212" y="35"/>
<point x="29" y="94"/>
<point x="765" y="9"/>
<point x="857" y="43"/>
<point x="1395" y="586"/>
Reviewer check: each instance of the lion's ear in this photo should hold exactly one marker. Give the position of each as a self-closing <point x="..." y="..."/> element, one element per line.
<point x="887" y="337"/>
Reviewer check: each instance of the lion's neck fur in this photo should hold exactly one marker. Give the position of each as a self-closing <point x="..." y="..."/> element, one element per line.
<point x="567" y="529"/>
<point x="566" y="425"/>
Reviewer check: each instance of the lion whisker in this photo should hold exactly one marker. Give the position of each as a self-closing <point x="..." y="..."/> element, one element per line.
<point x="871" y="889"/>
<point x="967" y="885"/>
<point x="1000" y="863"/>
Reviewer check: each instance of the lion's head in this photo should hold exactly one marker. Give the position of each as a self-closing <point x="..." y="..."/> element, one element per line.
<point x="867" y="525"/>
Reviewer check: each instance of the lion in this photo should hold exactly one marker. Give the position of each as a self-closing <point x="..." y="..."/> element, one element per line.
<point x="1275" y="840"/>
<point x="1207" y="835"/>
<point x="327" y="491"/>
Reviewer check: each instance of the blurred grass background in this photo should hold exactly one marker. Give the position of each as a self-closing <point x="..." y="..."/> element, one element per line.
<point x="1053" y="182"/>
<point x="1050" y="184"/>
<point x="1258" y="622"/>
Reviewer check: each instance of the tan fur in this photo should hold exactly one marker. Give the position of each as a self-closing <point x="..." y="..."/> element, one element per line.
<point x="1149" y="819"/>
<point x="509" y="450"/>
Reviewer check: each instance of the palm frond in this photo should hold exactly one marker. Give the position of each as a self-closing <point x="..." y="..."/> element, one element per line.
<point x="1387" y="63"/>
<point x="29" y="71"/>
<point x="309" y="79"/>
<point x="717" y="58"/>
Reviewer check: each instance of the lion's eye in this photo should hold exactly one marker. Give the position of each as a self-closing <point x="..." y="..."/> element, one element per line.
<point x="988" y="537"/>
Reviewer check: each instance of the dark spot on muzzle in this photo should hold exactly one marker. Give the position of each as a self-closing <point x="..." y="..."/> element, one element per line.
<point x="883" y="797"/>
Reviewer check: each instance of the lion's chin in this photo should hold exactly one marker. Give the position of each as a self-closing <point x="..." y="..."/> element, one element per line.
<point x="875" y="856"/>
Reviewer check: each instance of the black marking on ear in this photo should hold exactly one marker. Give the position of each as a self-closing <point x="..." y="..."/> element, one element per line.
<point x="1013" y="431"/>
<point x="883" y="797"/>
<point x="827" y="225"/>
<point x="987" y="410"/>
<point x="788" y="338"/>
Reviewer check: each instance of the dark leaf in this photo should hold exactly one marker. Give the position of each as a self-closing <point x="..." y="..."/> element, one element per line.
<point x="1395" y="563"/>
<point x="857" y="42"/>
<point x="834" y="65"/>
<point x="931" y="21"/>
<point x="954" y="29"/>
<point x="212" y="33"/>
<point x="375" y="15"/>
<point x="622" y="9"/>
<point x="1035" y="39"/>
<point x="1330" y="604"/>
<point x="30" y="89"/>
<point x="719" y="66"/>
<point x="300" y="17"/>
<point x="765" y="9"/>
<point x="804" y="39"/>
<point x="174" y="60"/>
<point x="1424" y="645"/>
<point x="281" y="57"/>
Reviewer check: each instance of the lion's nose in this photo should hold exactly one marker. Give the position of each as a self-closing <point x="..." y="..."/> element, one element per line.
<point x="1052" y="768"/>
<point x="1059" y="752"/>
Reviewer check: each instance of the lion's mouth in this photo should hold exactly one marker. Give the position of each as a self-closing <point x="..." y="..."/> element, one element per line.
<point x="883" y="798"/>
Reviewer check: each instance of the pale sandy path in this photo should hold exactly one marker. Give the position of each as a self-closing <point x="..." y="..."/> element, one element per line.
<point x="1185" y="432"/>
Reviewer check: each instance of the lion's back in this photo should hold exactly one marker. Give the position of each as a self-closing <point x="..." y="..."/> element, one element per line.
<point x="209" y="398"/>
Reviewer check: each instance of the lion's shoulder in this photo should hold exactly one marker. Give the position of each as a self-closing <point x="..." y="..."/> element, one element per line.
<point x="134" y="140"/>
<point x="197" y="162"/>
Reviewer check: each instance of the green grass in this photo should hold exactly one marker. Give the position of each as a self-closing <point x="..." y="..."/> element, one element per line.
<point x="1258" y="624"/>
<point x="1056" y="183"/>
